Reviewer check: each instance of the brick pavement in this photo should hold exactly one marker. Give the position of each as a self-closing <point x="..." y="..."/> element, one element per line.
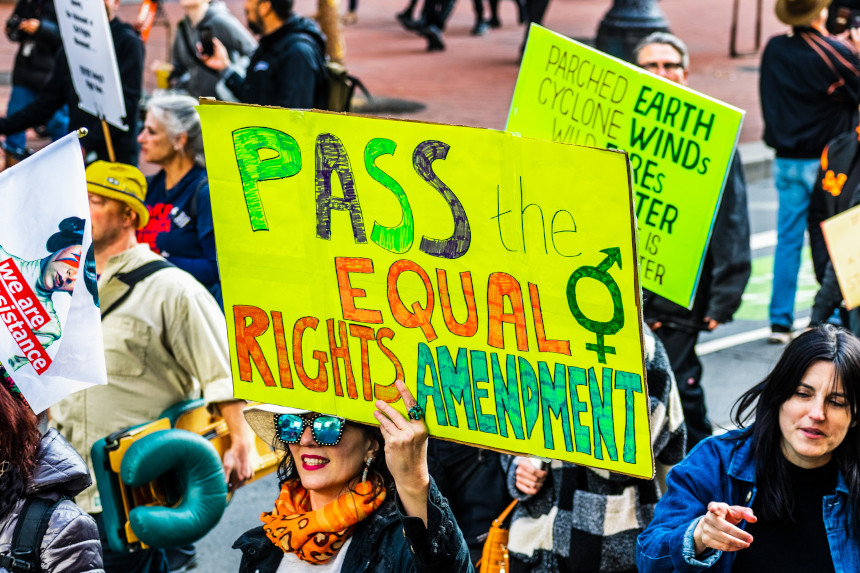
<point x="471" y="83"/>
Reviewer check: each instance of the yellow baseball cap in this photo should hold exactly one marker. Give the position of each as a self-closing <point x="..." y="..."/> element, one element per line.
<point x="121" y="182"/>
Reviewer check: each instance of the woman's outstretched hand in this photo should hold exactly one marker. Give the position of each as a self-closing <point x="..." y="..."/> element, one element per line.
<point x="406" y="453"/>
<point x="718" y="529"/>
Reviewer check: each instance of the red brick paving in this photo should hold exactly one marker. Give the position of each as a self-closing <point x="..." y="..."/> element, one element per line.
<point x="471" y="83"/>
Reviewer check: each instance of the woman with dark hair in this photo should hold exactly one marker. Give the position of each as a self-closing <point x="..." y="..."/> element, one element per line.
<point x="180" y="216"/>
<point x="782" y="494"/>
<point x="338" y="509"/>
<point x="44" y="467"/>
<point x="55" y="273"/>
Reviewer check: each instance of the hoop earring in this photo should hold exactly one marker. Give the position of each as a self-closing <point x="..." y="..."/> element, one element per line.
<point x="367" y="463"/>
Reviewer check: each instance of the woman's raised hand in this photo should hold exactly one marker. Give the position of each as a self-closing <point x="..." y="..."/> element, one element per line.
<point x="406" y="453"/>
<point x="718" y="529"/>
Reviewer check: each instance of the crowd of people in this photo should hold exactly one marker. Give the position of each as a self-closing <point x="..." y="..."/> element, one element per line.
<point x="781" y="492"/>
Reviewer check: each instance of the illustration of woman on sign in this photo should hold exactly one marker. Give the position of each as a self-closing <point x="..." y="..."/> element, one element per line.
<point x="56" y="273"/>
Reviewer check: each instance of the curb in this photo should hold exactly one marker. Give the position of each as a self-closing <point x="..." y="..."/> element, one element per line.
<point x="757" y="159"/>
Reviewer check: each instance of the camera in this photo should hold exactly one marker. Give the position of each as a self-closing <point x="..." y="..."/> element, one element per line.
<point x="206" y="44"/>
<point x="12" y="31"/>
<point x="844" y="19"/>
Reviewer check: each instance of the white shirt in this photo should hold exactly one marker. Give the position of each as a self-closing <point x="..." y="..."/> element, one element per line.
<point x="292" y="564"/>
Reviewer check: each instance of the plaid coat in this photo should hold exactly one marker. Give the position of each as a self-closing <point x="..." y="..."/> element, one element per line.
<point x="586" y="519"/>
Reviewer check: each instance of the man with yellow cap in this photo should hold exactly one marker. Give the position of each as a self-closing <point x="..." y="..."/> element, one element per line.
<point x="810" y="90"/>
<point x="165" y="340"/>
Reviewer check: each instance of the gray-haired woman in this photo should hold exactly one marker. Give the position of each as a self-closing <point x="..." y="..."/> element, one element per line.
<point x="180" y="217"/>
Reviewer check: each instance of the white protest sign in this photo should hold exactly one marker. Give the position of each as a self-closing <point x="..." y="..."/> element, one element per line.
<point x="92" y="60"/>
<point x="50" y="324"/>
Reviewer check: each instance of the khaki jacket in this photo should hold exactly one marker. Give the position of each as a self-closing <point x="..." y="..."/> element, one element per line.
<point x="167" y="342"/>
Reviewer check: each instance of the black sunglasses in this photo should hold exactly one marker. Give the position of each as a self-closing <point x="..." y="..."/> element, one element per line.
<point x="326" y="430"/>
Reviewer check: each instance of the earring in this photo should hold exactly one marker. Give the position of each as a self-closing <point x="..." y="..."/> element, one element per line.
<point x="367" y="463"/>
<point x="4" y="465"/>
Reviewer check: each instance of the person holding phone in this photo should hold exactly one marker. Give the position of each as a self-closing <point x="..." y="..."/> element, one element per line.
<point x="33" y="25"/>
<point x="203" y="21"/>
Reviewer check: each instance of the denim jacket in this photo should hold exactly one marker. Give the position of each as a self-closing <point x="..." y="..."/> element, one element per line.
<point x="722" y="468"/>
<point x="386" y="542"/>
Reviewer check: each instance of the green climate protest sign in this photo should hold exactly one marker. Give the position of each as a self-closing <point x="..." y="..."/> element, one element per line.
<point x="680" y="144"/>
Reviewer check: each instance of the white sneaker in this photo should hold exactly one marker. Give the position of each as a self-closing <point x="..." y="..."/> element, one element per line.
<point x="778" y="337"/>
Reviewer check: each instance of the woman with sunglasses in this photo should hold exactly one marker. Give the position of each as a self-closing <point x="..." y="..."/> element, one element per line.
<point x="782" y="494"/>
<point x="353" y="497"/>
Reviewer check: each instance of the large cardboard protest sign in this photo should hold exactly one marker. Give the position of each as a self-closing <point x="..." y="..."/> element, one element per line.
<point x="842" y="234"/>
<point x="50" y="337"/>
<point x="494" y="274"/>
<point x="680" y="145"/>
<point x="90" y="52"/>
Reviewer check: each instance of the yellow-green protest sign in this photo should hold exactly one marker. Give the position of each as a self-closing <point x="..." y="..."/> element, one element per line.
<point x="842" y="234"/>
<point x="680" y="145"/>
<point x="494" y="274"/>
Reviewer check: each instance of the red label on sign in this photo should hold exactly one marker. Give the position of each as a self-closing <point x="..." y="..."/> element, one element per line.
<point x="22" y="312"/>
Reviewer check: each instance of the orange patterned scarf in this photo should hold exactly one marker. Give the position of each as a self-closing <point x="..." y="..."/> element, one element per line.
<point x="316" y="536"/>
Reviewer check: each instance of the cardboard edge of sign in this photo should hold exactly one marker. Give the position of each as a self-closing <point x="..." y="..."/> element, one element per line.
<point x="208" y="101"/>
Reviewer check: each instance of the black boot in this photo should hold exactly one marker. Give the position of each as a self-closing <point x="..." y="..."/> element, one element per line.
<point x="434" y="38"/>
<point x="481" y="27"/>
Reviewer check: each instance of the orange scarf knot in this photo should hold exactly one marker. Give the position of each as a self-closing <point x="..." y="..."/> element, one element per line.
<point x="316" y="536"/>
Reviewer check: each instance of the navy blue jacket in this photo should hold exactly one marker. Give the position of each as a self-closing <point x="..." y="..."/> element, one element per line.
<point x="386" y="542"/>
<point x="180" y="226"/>
<point x="810" y="89"/>
<point x="287" y="70"/>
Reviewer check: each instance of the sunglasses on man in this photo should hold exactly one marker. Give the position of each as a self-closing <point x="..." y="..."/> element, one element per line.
<point x="326" y="430"/>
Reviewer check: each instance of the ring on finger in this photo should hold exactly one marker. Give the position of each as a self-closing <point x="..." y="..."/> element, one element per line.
<point x="416" y="412"/>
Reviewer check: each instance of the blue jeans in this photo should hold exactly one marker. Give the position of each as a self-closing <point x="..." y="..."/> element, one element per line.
<point x="794" y="179"/>
<point x="57" y="126"/>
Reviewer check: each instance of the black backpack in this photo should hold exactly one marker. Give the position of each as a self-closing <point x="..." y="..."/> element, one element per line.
<point x="27" y="539"/>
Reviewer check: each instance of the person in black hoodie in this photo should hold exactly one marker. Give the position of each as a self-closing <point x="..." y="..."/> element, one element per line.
<point x="288" y="69"/>
<point x="837" y="188"/>
<point x="810" y="90"/>
<point x="33" y="25"/>
<point x="60" y="91"/>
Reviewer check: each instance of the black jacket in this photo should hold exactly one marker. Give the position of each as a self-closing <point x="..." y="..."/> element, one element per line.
<point x="727" y="265"/>
<point x="59" y="90"/>
<point x="837" y="188"/>
<point x="385" y="542"/>
<point x="35" y="58"/>
<point x="473" y="481"/>
<point x="287" y="70"/>
<point x="810" y="89"/>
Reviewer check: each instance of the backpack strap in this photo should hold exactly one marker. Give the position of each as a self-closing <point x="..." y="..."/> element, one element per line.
<point x="133" y="277"/>
<point x="29" y="531"/>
